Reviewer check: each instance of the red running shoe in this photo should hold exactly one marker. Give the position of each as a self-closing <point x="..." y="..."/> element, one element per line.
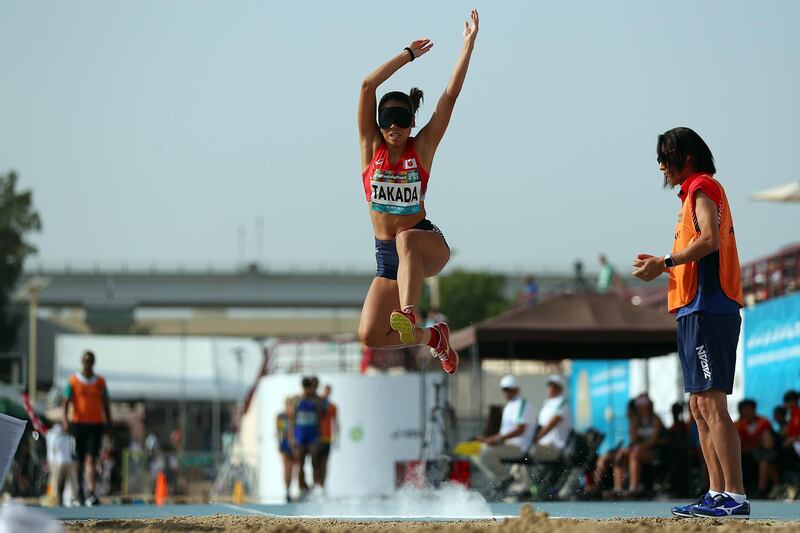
<point x="403" y="321"/>
<point x="447" y="356"/>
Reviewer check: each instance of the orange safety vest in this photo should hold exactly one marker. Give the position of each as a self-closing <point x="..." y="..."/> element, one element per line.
<point x="326" y="423"/>
<point x="683" y="278"/>
<point x="88" y="396"/>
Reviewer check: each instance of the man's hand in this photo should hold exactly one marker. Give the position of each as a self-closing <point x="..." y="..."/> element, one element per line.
<point x="648" y="267"/>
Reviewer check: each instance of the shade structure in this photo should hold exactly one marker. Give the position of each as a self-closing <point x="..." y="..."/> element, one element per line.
<point x="783" y="193"/>
<point x="572" y="326"/>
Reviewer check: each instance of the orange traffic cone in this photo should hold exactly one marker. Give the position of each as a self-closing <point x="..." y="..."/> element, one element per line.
<point x="238" y="492"/>
<point x="161" y="489"/>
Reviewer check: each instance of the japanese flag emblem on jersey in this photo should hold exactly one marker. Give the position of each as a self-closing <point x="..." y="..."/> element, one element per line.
<point x="409" y="163"/>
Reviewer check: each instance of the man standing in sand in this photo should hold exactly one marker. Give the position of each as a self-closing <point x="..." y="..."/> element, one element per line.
<point x="705" y="293"/>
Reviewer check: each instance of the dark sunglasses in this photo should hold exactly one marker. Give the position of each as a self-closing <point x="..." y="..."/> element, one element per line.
<point x="399" y="116"/>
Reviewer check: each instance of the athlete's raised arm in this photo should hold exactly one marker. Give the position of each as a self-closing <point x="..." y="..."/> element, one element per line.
<point x="428" y="138"/>
<point x="368" y="131"/>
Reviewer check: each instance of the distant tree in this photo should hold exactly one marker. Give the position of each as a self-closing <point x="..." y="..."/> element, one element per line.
<point x="468" y="297"/>
<point x="17" y="219"/>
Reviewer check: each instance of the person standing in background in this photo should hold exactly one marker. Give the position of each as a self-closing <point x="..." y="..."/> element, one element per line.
<point x="86" y="392"/>
<point x="530" y="291"/>
<point x="304" y="420"/>
<point x="607" y="279"/>
<point x="705" y="293"/>
<point x="284" y="433"/>
<point x="59" y="461"/>
<point x="329" y="434"/>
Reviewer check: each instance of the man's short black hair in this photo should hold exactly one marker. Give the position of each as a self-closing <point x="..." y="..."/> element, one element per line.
<point x="675" y="145"/>
<point x="790" y="396"/>
<point x="306" y="382"/>
<point x="747" y="402"/>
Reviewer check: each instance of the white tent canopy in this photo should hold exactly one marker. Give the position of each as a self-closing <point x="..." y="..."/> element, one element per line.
<point x="164" y="368"/>
<point x="783" y="193"/>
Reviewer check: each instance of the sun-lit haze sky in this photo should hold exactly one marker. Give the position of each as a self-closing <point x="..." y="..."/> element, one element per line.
<point x="152" y="131"/>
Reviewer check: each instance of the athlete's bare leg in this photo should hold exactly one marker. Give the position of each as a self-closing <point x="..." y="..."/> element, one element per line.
<point x="91" y="472"/>
<point x="373" y="328"/>
<point x="422" y="254"/>
<point x="714" y="407"/>
<point x="716" y="481"/>
<point x="288" y="470"/>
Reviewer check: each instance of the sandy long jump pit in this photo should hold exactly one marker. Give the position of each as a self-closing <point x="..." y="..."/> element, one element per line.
<point x="528" y="521"/>
<point x="472" y="515"/>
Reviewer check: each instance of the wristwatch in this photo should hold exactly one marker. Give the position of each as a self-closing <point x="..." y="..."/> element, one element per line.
<point x="668" y="262"/>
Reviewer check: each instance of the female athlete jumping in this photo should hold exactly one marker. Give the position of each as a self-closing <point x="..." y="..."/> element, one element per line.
<point x="408" y="247"/>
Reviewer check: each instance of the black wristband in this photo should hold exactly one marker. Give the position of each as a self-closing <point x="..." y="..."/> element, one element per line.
<point x="410" y="52"/>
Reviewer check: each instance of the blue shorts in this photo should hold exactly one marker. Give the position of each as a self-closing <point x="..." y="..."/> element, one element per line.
<point x="306" y="436"/>
<point x="386" y="251"/>
<point x="707" y="349"/>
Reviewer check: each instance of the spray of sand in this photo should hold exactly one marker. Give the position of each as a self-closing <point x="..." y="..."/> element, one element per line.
<point x="448" y="501"/>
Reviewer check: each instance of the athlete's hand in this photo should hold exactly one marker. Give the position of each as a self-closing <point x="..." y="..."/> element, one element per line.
<point x="470" y="32"/>
<point x="648" y="267"/>
<point x="420" y="47"/>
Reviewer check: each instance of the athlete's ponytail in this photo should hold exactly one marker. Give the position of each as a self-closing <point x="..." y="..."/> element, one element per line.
<point x="412" y="100"/>
<point x="416" y="98"/>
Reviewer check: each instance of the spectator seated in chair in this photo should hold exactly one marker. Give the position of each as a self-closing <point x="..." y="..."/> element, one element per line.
<point x="758" y="448"/>
<point x="517" y="428"/>
<point x="647" y="436"/>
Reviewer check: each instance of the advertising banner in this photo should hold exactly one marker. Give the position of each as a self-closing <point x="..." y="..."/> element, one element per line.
<point x="772" y="351"/>
<point x="600" y="398"/>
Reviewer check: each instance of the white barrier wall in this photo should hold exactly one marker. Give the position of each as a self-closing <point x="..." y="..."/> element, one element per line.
<point x="381" y="420"/>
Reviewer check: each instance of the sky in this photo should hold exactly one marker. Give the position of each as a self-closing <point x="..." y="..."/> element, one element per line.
<point x="189" y="132"/>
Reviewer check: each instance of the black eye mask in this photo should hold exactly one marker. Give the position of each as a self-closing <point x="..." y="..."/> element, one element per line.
<point x="399" y="116"/>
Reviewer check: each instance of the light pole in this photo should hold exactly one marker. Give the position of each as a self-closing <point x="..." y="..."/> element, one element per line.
<point x="30" y="291"/>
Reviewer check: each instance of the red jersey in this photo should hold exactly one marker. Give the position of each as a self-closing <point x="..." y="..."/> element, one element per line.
<point x="793" y="430"/>
<point x="750" y="434"/>
<point x="398" y="189"/>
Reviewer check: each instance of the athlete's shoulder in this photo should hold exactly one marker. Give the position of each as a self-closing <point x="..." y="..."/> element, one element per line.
<point x="709" y="186"/>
